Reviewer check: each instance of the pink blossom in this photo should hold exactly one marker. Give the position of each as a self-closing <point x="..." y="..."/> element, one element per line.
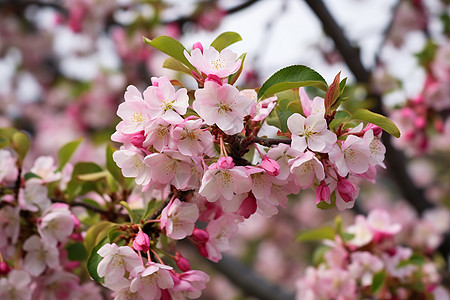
<point x="165" y="102"/>
<point x="9" y="225"/>
<point x="381" y="224"/>
<point x="134" y="112"/>
<point x="56" y="224"/>
<point x="361" y="231"/>
<point x="16" y="286"/>
<point x="210" y="61"/>
<point x="141" y="242"/>
<point x="354" y="154"/>
<point x="178" y="218"/>
<point x="132" y="164"/>
<point x="34" y="196"/>
<point x="222" y="105"/>
<point x="220" y="231"/>
<point x="116" y="260"/>
<point x="225" y="183"/>
<point x="40" y="254"/>
<point x="149" y="280"/>
<point x="391" y="262"/>
<point x="270" y="165"/>
<point x="188" y="284"/>
<point x="190" y="139"/>
<point x="182" y="262"/>
<point x="157" y="134"/>
<point x="311" y="107"/>
<point x="248" y="206"/>
<point x="346" y="194"/>
<point x="260" y="109"/>
<point x="323" y="193"/>
<point x="363" y="266"/>
<point x="8" y="169"/>
<point x="282" y="154"/>
<point x="170" y="167"/>
<point x="311" y="132"/>
<point x="58" y="285"/>
<point x="306" y="169"/>
<point x="44" y="167"/>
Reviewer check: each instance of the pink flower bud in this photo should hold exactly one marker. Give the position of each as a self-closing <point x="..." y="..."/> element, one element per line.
<point x="138" y="139"/>
<point x="420" y="122"/>
<point x="202" y="250"/>
<point x="271" y="166"/>
<point x="376" y="130"/>
<point x="248" y="206"/>
<point x="214" y="78"/>
<point x="346" y="189"/>
<point x="182" y="262"/>
<point x="141" y="242"/>
<point x="198" y="45"/>
<point x="225" y="162"/>
<point x="200" y="235"/>
<point x="323" y="193"/>
<point x="4" y="268"/>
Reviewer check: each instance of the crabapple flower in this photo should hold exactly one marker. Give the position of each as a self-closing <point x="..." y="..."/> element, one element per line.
<point x="311" y="107"/>
<point x="165" y="102"/>
<point x="149" y="280"/>
<point x="361" y="231"/>
<point x="354" y="154"/>
<point x="16" y="286"/>
<point x="57" y="223"/>
<point x="40" y="254"/>
<point x="44" y="167"/>
<point x="381" y="224"/>
<point x="282" y="154"/>
<point x="178" y="218"/>
<point x="132" y="165"/>
<point x="141" y="242"/>
<point x="116" y="260"/>
<point x="170" y="167"/>
<point x="227" y="183"/>
<point x="190" y="139"/>
<point x="8" y="169"/>
<point x="306" y="169"/>
<point x="134" y="112"/>
<point x="270" y="165"/>
<point x="311" y="132"/>
<point x="260" y="110"/>
<point x="157" y="134"/>
<point x="9" y="225"/>
<point x="188" y="284"/>
<point x="363" y="266"/>
<point x="346" y="194"/>
<point x="222" y="105"/>
<point x="34" y="196"/>
<point x="211" y="62"/>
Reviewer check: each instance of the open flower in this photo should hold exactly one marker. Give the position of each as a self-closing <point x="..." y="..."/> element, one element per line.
<point x="178" y="218"/>
<point x="149" y="280"/>
<point x="222" y="105"/>
<point x="211" y="62"/>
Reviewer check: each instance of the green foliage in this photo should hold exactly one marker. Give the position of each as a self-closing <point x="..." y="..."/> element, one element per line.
<point x="233" y="77"/>
<point x="174" y="64"/>
<point x="415" y="259"/>
<point x="30" y="175"/>
<point x="134" y="217"/>
<point x="152" y="207"/>
<point x="76" y="252"/>
<point x="225" y="39"/>
<point x="288" y="103"/>
<point x="97" y="233"/>
<point x="111" y="165"/>
<point x="94" y="259"/>
<point x="323" y="233"/>
<point x="83" y="179"/>
<point x="289" y="78"/>
<point x="171" y="47"/>
<point x="426" y="56"/>
<point x="66" y="152"/>
<point x="21" y="144"/>
<point x="323" y="205"/>
<point x="377" y="119"/>
<point x="339" y="118"/>
<point x="378" y="282"/>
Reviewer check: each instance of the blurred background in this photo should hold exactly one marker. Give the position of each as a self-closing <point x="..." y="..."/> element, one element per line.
<point x="64" y="67"/>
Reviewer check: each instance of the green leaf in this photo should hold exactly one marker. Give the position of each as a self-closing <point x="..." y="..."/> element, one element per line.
<point x="78" y="187"/>
<point x="174" y="64"/>
<point x="318" y="254"/>
<point x="288" y="103"/>
<point x="339" y="118"/>
<point x="93" y="176"/>
<point x="21" y="144"/>
<point x="96" y="233"/>
<point x="377" y="119"/>
<point x="226" y="39"/>
<point x="66" y="152"/>
<point x="323" y="205"/>
<point x="30" y="175"/>
<point x="415" y="259"/>
<point x="289" y="78"/>
<point x="133" y="216"/>
<point x="323" y="233"/>
<point x="111" y="165"/>
<point x="233" y="77"/>
<point x="94" y="259"/>
<point x="342" y="85"/>
<point x="377" y="281"/>
<point x="152" y="207"/>
<point x="171" y="47"/>
<point x="76" y="252"/>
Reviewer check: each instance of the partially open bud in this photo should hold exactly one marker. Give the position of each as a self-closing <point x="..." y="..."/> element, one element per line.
<point x="141" y="242"/>
<point x="182" y="262"/>
<point x="271" y="166"/>
<point x="323" y="193"/>
<point x="346" y="189"/>
<point x="200" y="235"/>
<point x="248" y="206"/>
<point x="225" y="162"/>
<point x="198" y="45"/>
<point x="214" y="78"/>
<point x="138" y="139"/>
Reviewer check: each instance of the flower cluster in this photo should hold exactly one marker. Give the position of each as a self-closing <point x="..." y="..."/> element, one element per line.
<point x="365" y="260"/>
<point x="36" y="233"/>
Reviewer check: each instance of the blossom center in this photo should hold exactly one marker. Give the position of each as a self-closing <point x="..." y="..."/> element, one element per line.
<point x="218" y="64"/>
<point x="224" y="108"/>
<point x="167" y="105"/>
<point x="137" y="117"/>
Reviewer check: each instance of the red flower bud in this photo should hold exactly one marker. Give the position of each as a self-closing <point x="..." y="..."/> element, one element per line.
<point x="141" y="242"/>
